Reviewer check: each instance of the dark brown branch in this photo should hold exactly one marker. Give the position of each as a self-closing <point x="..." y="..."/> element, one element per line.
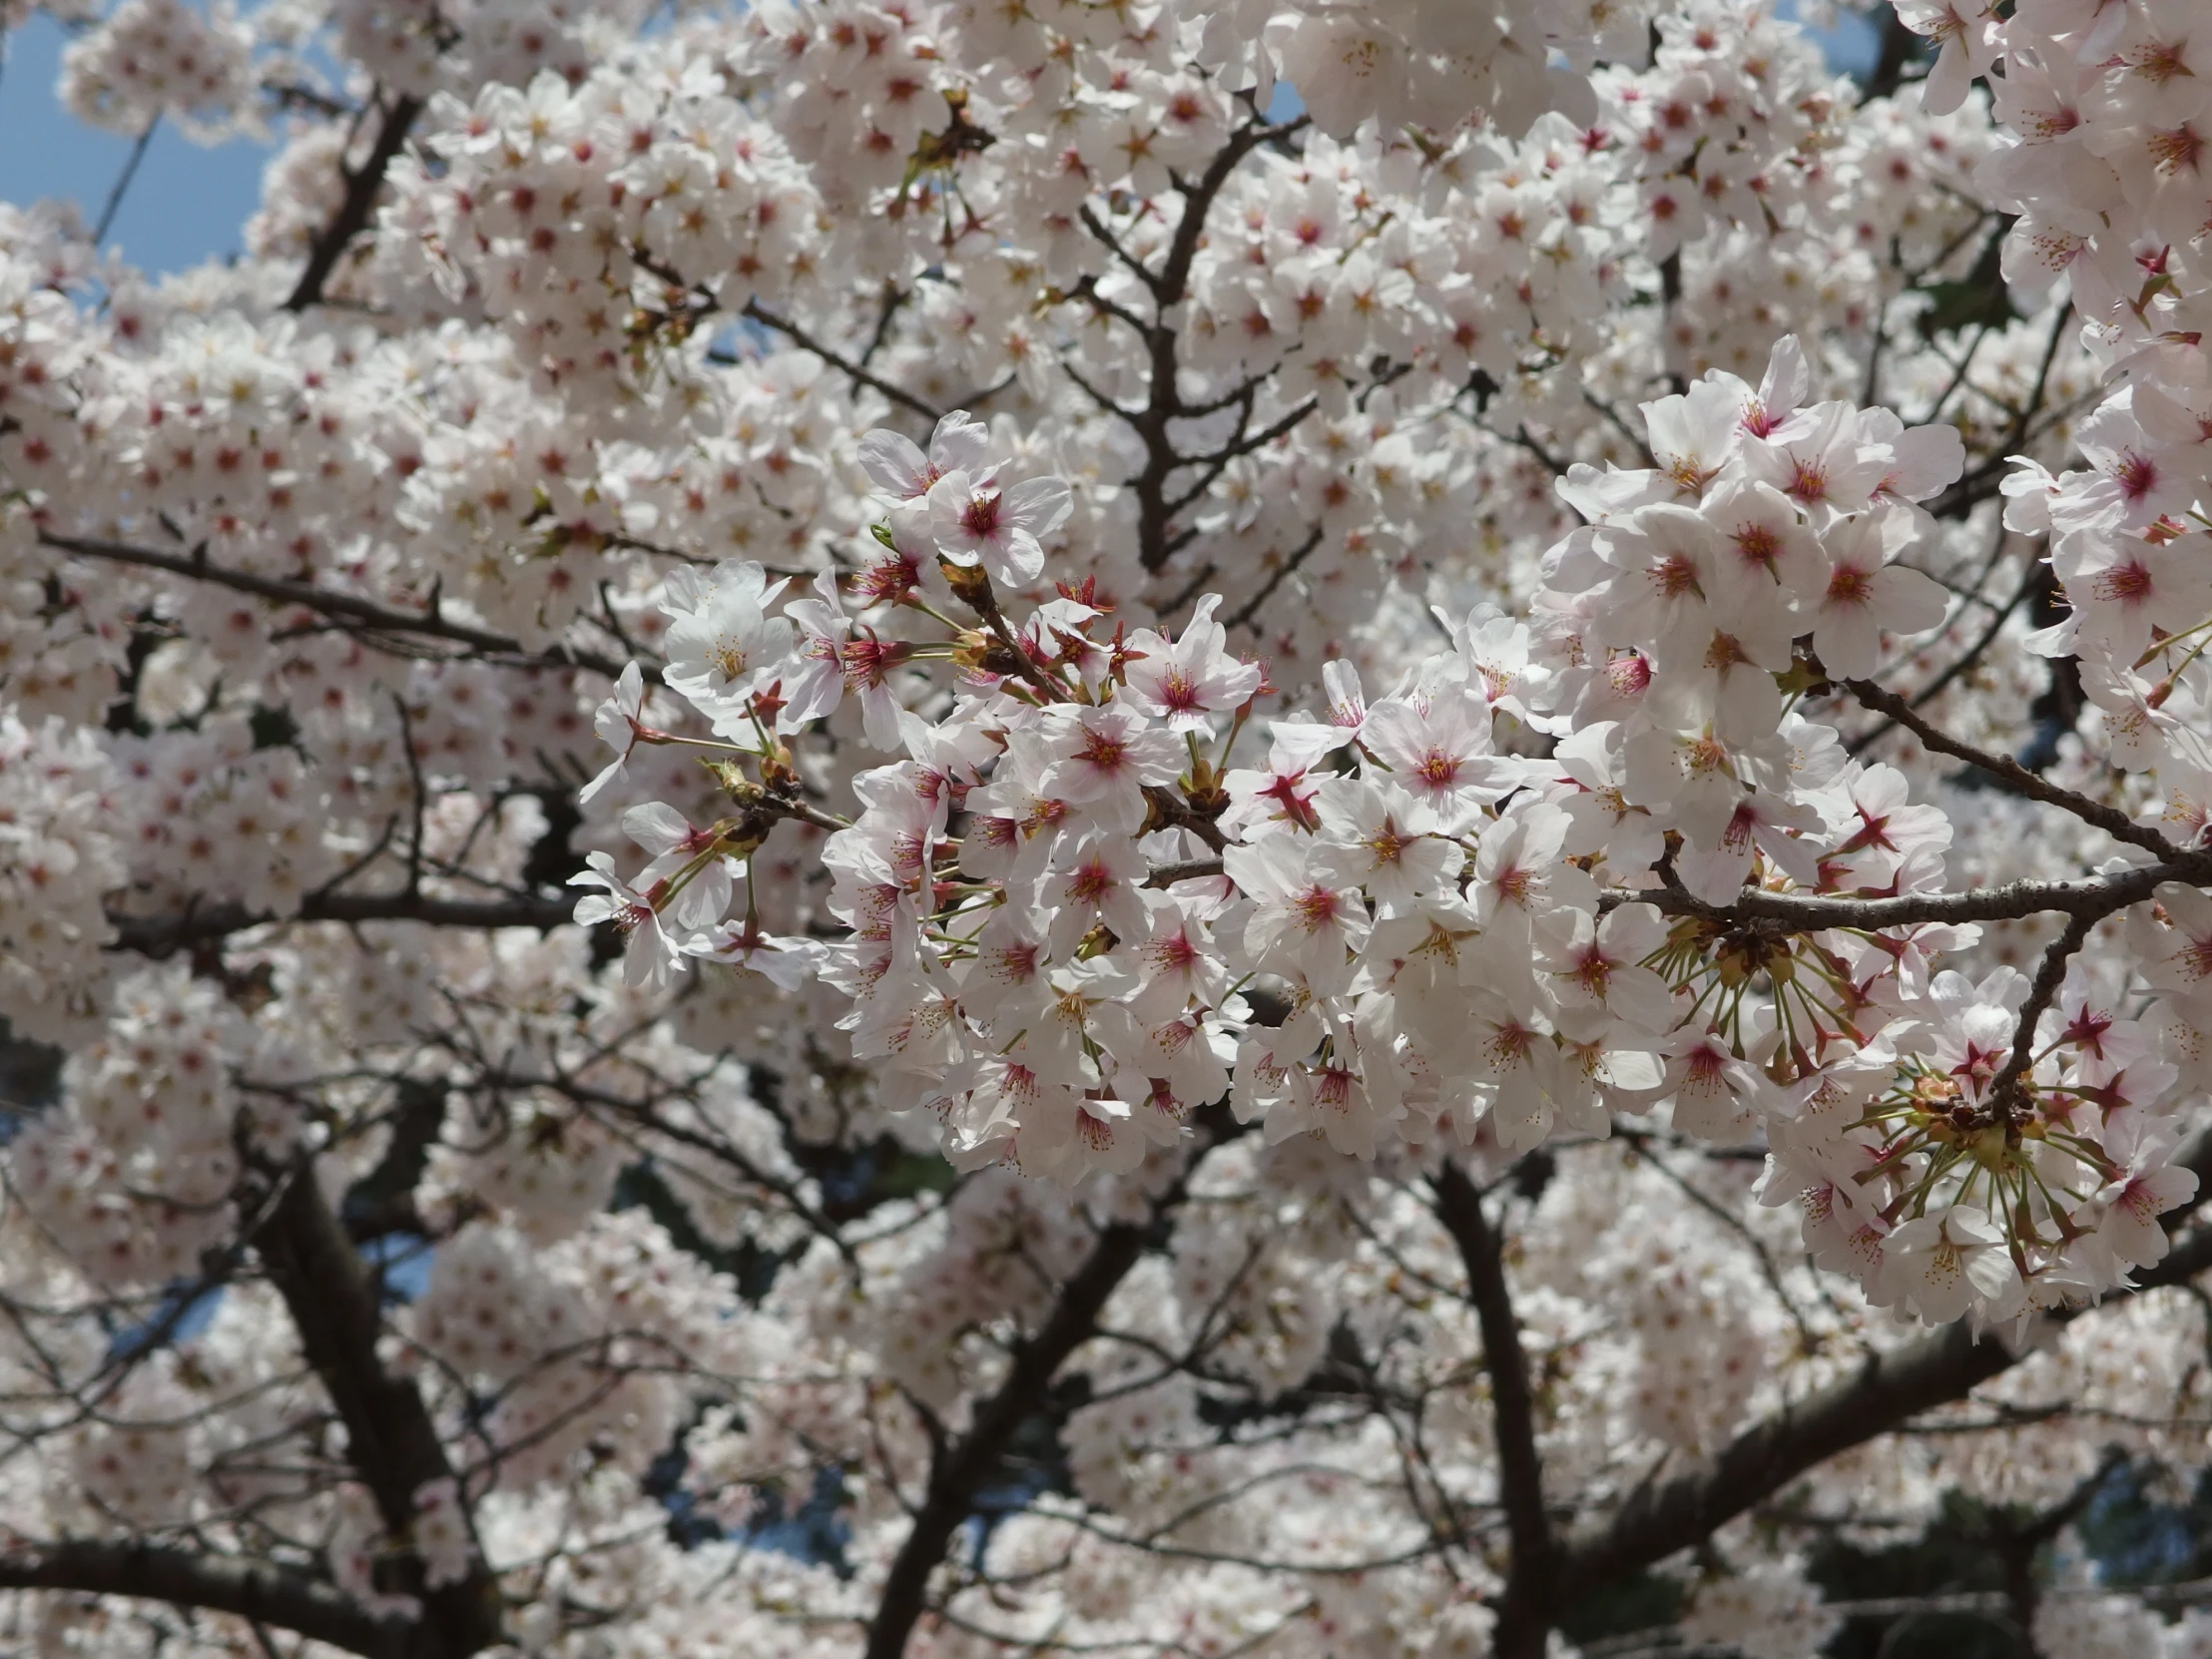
<point x="161" y="935"/>
<point x="2049" y="974"/>
<point x="383" y="1201"/>
<point x="2016" y="1543"/>
<point x="1981" y="481"/>
<point x="1164" y="402"/>
<point x="1522" y="1609"/>
<point x="2093" y="897"/>
<point x="285" y="1597"/>
<point x="390" y="1442"/>
<point x="2011" y="772"/>
<point x="2034" y="577"/>
<point x="1527" y="440"/>
<point x="123" y="180"/>
<point x="1112" y="244"/>
<point x="375" y="618"/>
<point x="1900" y="47"/>
<point x="1244" y="392"/>
<point x="894" y="300"/>
<point x="158" y="936"/>
<point x="1890" y="1389"/>
<point x="361" y="186"/>
<point x="1642" y="1143"/>
<point x="1216" y="463"/>
<point x="1276" y="578"/>
<point x="298" y="95"/>
<point x="958" y="1471"/>
<point x="640" y="1114"/>
<point x="753" y="312"/>
<point x="958" y="1474"/>
<point x="1166" y="876"/>
<point x="1087" y="292"/>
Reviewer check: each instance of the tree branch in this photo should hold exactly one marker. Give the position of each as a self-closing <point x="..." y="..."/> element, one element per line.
<point x="755" y="313"/>
<point x="1890" y="1389"/>
<point x="2035" y="574"/>
<point x="390" y="1442"/>
<point x="123" y="180"/>
<point x="375" y="618"/>
<point x="959" y="1471"/>
<point x="1803" y="912"/>
<point x="352" y="219"/>
<point x="2050" y="973"/>
<point x="1276" y="578"/>
<point x="1521" y="1616"/>
<point x="1164" y="401"/>
<point x="264" y="1591"/>
<point x="160" y="936"/>
<point x="2011" y="772"/>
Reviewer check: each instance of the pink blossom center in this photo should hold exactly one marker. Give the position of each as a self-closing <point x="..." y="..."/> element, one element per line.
<point x="1438" y="770"/>
<point x="980" y="519"/>
<point x="1850" y="586"/>
<point x="1675" y="576"/>
<point x="1178" y="691"/>
<point x="1808" y="479"/>
<point x="2127" y="584"/>
<point x="1102" y="752"/>
<point x="1630" y="675"/>
<point x="1316" y="907"/>
<point x="1757" y="544"/>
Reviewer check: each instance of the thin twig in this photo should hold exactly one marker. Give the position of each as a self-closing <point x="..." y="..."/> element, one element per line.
<point x="2010" y="772"/>
<point x="123" y="180"/>
<point x="372" y="616"/>
<point x="755" y="311"/>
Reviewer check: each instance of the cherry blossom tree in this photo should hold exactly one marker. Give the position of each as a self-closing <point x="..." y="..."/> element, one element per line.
<point x="1108" y="827"/>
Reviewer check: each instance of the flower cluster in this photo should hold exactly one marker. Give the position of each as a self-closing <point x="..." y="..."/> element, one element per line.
<point x="136" y="1178"/>
<point x="150" y="58"/>
<point x="1065" y="897"/>
<point x="1470" y="735"/>
<point x="572" y="1344"/>
<point x="58" y="859"/>
<point x="2110" y="176"/>
<point x="1417" y="63"/>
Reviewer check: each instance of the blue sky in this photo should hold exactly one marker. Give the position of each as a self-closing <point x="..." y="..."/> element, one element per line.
<point x="1852" y="46"/>
<point x="186" y="202"/>
<point x="189" y="201"/>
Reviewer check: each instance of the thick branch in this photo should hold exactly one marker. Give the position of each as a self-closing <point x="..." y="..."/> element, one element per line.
<point x="352" y="219"/>
<point x="382" y="619"/>
<point x="1886" y="1391"/>
<point x="960" y="1472"/>
<point x="1900" y="47"/>
<point x="1657" y="1520"/>
<point x="1522" y="1614"/>
<point x="263" y="1591"/>
<point x="389" y="1438"/>
<point x="161" y="935"/>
